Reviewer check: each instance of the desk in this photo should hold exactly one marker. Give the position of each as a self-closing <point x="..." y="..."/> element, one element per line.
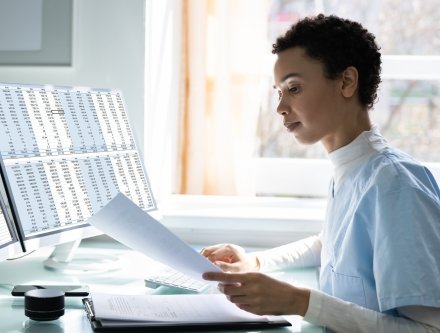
<point x="127" y="279"/>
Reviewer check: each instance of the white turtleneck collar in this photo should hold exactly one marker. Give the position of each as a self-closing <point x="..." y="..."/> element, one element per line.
<point x="349" y="157"/>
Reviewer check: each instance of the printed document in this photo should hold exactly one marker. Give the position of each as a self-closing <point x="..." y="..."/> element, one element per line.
<point x="170" y="308"/>
<point x="124" y="221"/>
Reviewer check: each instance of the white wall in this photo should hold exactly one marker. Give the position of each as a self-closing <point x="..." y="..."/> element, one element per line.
<point x="108" y="52"/>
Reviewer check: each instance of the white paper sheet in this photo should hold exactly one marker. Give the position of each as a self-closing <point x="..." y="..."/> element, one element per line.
<point x="170" y="308"/>
<point x="124" y="221"/>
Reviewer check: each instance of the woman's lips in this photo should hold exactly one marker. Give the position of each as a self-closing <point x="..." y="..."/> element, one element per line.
<point x="291" y="126"/>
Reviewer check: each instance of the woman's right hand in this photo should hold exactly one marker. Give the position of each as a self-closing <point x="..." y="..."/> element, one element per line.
<point x="231" y="258"/>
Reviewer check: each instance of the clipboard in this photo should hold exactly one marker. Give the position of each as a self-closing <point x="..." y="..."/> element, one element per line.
<point x="106" y="325"/>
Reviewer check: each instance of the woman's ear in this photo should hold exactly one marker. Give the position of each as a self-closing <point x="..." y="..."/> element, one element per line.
<point x="349" y="78"/>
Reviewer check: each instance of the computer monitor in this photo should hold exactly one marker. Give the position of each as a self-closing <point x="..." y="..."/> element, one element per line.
<point x="9" y="243"/>
<point x="64" y="153"/>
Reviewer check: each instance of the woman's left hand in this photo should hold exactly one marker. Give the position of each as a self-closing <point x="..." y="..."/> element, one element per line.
<point x="260" y="294"/>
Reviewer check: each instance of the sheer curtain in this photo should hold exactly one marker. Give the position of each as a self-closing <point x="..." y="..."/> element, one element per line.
<point x="225" y="54"/>
<point x="163" y="67"/>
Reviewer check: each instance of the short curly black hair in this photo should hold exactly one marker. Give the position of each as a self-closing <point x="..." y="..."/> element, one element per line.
<point x="338" y="43"/>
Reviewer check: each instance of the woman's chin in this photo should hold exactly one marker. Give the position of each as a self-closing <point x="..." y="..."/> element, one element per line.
<point x="305" y="140"/>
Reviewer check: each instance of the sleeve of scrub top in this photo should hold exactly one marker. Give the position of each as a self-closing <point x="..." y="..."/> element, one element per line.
<point x="406" y="244"/>
<point x="303" y="253"/>
<point x="341" y="316"/>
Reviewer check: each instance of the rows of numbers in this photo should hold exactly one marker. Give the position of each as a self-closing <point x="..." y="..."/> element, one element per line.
<point x="57" y="193"/>
<point x="66" y="153"/>
<point x="40" y="122"/>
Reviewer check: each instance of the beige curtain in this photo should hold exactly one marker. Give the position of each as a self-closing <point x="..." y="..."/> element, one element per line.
<point x="225" y="58"/>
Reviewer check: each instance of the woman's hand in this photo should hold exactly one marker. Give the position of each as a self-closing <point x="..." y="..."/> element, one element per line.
<point x="260" y="294"/>
<point x="231" y="258"/>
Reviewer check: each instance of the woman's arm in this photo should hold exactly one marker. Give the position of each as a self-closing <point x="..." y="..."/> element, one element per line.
<point x="233" y="258"/>
<point x="341" y="316"/>
<point x="303" y="253"/>
<point x="263" y="295"/>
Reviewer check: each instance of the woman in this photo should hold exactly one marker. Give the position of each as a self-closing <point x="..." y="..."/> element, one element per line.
<point x="379" y="249"/>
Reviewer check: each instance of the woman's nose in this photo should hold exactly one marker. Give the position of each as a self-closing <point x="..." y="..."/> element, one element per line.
<point x="282" y="108"/>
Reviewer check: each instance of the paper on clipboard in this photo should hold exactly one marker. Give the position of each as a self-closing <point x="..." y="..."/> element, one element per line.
<point x="124" y="221"/>
<point x="170" y="308"/>
<point x="173" y="313"/>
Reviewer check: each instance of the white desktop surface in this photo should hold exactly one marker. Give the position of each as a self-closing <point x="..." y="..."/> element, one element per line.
<point x="126" y="280"/>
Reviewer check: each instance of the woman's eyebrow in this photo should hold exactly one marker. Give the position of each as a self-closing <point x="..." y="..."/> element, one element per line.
<point x="288" y="76"/>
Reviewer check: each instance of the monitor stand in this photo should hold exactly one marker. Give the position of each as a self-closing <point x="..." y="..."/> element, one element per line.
<point x="66" y="259"/>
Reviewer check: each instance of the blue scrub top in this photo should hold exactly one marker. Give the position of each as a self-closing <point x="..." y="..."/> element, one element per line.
<point x="381" y="237"/>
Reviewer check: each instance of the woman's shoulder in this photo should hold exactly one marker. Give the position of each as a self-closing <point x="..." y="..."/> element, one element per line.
<point x="392" y="161"/>
<point x="392" y="169"/>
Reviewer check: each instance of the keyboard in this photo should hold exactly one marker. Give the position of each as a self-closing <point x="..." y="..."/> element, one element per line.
<point x="169" y="277"/>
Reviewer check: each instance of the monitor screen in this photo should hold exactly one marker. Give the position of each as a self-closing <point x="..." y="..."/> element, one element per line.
<point x="9" y="244"/>
<point x="5" y="236"/>
<point x="66" y="152"/>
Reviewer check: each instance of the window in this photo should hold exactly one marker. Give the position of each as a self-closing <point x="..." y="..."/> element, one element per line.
<point x="408" y="106"/>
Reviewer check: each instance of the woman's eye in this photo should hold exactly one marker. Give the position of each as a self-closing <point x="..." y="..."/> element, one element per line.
<point x="294" y="90"/>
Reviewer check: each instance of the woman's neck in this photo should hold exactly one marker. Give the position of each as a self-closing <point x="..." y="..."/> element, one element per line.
<point x="355" y="122"/>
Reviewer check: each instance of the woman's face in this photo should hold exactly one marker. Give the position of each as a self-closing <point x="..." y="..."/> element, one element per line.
<point x="311" y="105"/>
